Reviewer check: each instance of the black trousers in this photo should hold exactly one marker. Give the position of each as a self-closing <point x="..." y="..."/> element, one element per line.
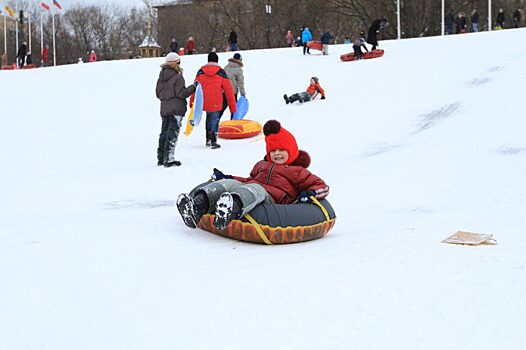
<point x="168" y="137"/>
<point x="305" y="48"/>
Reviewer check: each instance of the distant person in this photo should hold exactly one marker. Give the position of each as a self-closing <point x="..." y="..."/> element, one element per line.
<point x="215" y="83"/>
<point x="45" y="52"/>
<point x="172" y="91"/>
<point x="232" y="40"/>
<point x="92" y="56"/>
<point x="174" y="47"/>
<point x="374" y="30"/>
<point x="347" y="40"/>
<point x="297" y="42"/>
<point x="517" y="18"/>
<point x="357" y="47"/>
<point x="306" y="36"/>
<point x="326" y="40"/>
<point x="313" y="90"/>
<point x="461" y="23"/>
<point x="475" y="17"/>
<point x="21" y="55"/>
<point x="449" y="22"/>
<point x="289" y="39"/>
<point x="190" y="46"/>
<point x="80" y="61"/>
<point x="499" y="21"/>
<point x="234" y="70"/>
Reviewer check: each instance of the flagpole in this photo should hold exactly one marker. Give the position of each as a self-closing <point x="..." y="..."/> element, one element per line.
<point x="5" y="36"/>
<point x="41" y="36"/>
<point x="442" y="23"/>
<point x="29" y="29"/>
<point x="490" y="21"/>
<point x="54" y="46"/>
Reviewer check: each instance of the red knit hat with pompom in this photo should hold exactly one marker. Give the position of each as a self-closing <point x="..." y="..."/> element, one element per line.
<point x="277" y="137"/>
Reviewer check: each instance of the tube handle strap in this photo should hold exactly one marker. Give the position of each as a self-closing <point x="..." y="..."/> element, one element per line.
<point x="258" y="229"/>
<point x="317" y="202"/>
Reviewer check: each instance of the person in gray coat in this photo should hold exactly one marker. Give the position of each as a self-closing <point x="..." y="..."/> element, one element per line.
<point x="234" y="71"/>
<point x="172" y="92"/>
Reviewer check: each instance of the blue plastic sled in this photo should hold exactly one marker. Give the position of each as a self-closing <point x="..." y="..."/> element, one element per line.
<point x="198" y="105"/>
<point x="241" y="108"/>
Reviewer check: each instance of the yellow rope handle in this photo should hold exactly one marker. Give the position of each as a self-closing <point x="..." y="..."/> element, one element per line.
<point x="317" y="202"/>
<point x="258" y="229"/>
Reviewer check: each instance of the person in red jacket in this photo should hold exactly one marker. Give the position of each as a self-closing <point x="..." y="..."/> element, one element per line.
<point x="281" y="178"/>
<point x="43" y="59"/>
<point x="214" y="82"/>
<point x="190" y="46"/>
<point x="92" y="56"/>
<point x="313" y="90"/>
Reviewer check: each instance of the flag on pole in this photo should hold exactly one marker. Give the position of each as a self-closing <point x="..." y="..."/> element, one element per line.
<point x="55" y="2"/>
<point x="11" y="12"/>
<point x="44" y="5"/>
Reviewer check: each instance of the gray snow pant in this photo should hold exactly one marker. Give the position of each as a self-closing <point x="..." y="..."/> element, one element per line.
<point x="249" y="194"/>
<point x="168" y="138"/>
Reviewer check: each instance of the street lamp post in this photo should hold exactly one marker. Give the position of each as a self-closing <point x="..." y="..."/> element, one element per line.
<point x="398" y="19"/>
<point x="489" y="16"/>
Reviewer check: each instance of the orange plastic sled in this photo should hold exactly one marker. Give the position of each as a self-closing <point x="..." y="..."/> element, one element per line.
<point x="315" y="45"/>
<point x="366" y="55"/>
<point x="239" y="129"/>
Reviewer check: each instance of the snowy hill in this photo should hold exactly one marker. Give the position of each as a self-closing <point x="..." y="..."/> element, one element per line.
<point x="426" y="141"/>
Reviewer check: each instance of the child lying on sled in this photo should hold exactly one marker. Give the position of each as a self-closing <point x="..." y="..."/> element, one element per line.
<point x="314" y="90"/>
<point x="281" y="178"/>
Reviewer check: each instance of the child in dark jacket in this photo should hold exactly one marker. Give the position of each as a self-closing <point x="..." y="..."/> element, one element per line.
<point x="172" y="92"/>
<point x="357" y="46"/>
<point x="281" y="178"/>
<point x="313" y="90"/>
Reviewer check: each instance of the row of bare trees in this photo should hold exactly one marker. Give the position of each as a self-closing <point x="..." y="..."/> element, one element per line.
<point x="210" y="22"/>
<point x="114" y="32"/>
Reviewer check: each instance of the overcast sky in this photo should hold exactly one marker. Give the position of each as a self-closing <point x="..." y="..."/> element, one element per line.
<point x="67" y="3"/>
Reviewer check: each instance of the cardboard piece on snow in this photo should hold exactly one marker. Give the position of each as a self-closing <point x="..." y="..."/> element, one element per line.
<point x="470" y="238"/>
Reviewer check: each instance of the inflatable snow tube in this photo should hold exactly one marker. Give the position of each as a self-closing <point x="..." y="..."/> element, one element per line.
<point x="315" y="45"/>
<point x="239" y="129"/>
<point x="278" y="223"/>
<point x="366" y="55"/>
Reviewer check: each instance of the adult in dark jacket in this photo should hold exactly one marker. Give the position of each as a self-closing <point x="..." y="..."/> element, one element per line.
<point x="517" y="18"/>
<point x="449" y="22"/>
<point x="475" y="17"/>
<point x="325" y="40"/>
<point x="215" y="83"/>
<point x="232" y="40"/>
<point x="501" y="18"/>
<point x="21" y="55"/>
<point x="174" y="47"/>
<point x="374" y="29"/>
<point x="172" y="92"/>
<point x="461" y="23"/>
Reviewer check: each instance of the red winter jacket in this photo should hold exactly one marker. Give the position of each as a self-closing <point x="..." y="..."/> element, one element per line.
<point x="214" y="81"/>
<point x="285" y="182"/>
<point x="44" y="54"/>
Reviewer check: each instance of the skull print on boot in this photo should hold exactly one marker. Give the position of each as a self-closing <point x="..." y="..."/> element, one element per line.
<point x="228" y="208"/>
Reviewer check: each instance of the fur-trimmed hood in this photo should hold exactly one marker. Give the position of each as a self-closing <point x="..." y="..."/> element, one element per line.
<point x="238" y="62"/>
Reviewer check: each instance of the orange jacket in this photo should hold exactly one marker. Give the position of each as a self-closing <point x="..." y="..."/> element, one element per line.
<point x="316" y="88"/>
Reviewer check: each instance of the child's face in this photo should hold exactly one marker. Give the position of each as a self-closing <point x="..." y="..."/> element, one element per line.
<point x="279" y="156"/>
<point x="312" y="82"/>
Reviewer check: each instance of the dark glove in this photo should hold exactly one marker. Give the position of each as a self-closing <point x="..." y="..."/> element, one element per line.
<point x="218" y="175"/>
<point x="323" y="97"/>
<point x="304" y="196"/>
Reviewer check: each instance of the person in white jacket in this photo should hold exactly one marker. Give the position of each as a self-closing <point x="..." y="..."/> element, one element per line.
<point x="234" y="70"/>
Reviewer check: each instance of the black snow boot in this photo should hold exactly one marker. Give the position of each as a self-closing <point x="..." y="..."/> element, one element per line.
<point x="213" y="138"/>
<point x="228" y="208"/>
<point x="286" y="99"/>
<point x="192" y="209"/>
<point x="172" y="164"/>
<point x="208" y="141"/>
<point x="160" y="163"/>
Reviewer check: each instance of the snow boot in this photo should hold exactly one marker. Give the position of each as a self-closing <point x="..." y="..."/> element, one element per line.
<point x="286" y="99"/>
<point x="208" y="141"/>
<point x="160" y="163"/>
<point x="228" y="208"/>
<point x="293" y="98"/>
<point x="172" y="164"/>
<point x="192" y="209"/>
<point x="213" y="138"/>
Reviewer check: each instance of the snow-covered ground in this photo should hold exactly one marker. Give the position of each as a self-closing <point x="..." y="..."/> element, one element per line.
<point x="426" y="141"/>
